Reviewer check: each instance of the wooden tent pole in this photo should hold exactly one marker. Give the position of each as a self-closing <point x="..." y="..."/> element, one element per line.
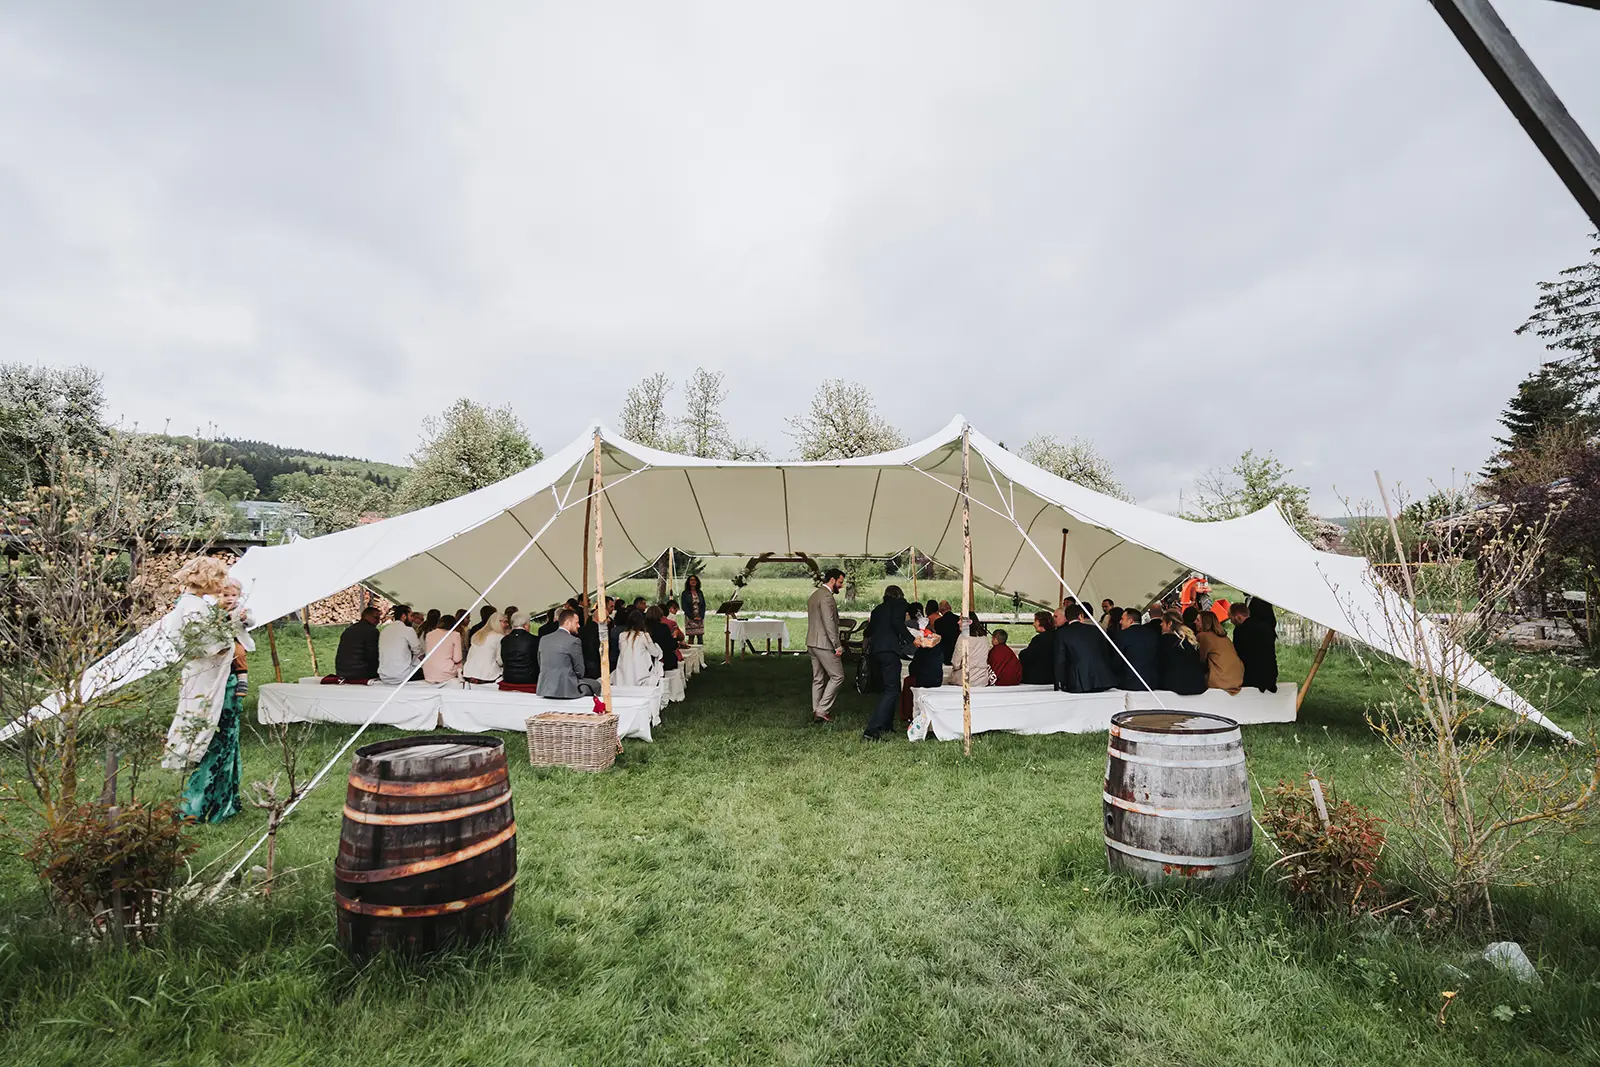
<point x="602" y="617"/>
<point x="1305" y="687"/>
<point x="588" y="514"/>
<point x="272" y="642"/>
<point x="916" y="598"/>
<point x="672" y="581"/>
<point x="1061" y="593"/>
<point x="305" y="624"/>
<point x="966" y="591"/>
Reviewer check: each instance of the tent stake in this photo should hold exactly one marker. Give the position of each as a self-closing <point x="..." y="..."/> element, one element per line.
<point x="966" y="590"/>
<point x="305" y="624"/>
<point x="272" y="642"/>
<point x="588" y="512"/>
<point x="603" y="618"/>
<point x="1061" y="591"/>
<point x="1305" y="687"/>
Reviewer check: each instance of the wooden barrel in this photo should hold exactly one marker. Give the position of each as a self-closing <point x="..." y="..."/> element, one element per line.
<point x="428" y="852"/>
<point x="1177" y="800"/>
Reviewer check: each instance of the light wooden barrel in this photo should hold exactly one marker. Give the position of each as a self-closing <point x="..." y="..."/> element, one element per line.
<point x="428" y="850"/>
<point x="1177" y="800"/>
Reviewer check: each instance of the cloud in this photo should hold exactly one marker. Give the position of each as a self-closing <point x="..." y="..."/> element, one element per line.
<point x="1179" y="231"/>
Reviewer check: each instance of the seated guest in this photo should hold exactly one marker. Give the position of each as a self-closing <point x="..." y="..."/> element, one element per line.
<point x="927" y="661"/>
<point x="1083" y="656"/>
<point x="948" y="628"/>
<point x="1178" y="659"/>
<point x="972" y="650"/>
<point x="1110" y="616"/>
<point x="357" y="657"/>
<point x="1223" y="668"/>
<point x="485" y="613"/>
<point x="549" y="626"/>
<point x="1152" y="615"/>
<point x="1136" y="667"/>
<point x="1255" y="639"/>
<point x="669" y="615"/>
<point x="641" y="605"/>
<point x="483" y="653"/>
<point x="663" y="637"/>
<point x="1039" y="658"/>
<point x="510" y="615"/>
<point x="1003" y="662"/>
<point x="1191" y="618"/>
<point x="614" y="619"/>
<point x="638" y="656"/>
<point x="519" y="654"/>
<point x="430" y="623"/>
<point x="589" y="638"/>
<point x="561" y="660"/>
<point x="441" y="661"/>
<point x="399" y="647"/>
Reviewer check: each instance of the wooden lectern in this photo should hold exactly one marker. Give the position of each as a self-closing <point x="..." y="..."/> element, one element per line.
<point x="728" y="610"/>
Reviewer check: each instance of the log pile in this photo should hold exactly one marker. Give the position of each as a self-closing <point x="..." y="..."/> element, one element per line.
<point x="342" y="608"/>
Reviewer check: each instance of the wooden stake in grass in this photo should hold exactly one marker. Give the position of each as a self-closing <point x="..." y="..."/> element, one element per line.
<point x="1316" y="664"/>
<point x="966" y="587"/>
<point x="603" y="618"/>
<point x="305" y="624"/>
<point x="272" y="642"/>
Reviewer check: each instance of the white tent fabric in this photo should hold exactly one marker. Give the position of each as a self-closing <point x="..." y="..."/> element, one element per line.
<point x="445" y="556"/>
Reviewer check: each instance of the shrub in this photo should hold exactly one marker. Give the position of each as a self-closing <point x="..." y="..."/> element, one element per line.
<point x="113" y="866"/>
<point x="1328" y="865"/>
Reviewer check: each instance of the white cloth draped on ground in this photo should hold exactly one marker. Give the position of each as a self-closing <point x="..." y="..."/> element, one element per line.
<point x="758" y="632"/>
<point x="1039" y="709"/>
<point x="425" y="706"/>
<point x="524" y="538"/>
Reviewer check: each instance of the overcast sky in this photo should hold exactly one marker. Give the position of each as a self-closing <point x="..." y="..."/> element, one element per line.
<point x="1178" y="229"/>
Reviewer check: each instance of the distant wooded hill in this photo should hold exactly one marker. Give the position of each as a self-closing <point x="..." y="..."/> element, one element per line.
<point x="263" y="462"/>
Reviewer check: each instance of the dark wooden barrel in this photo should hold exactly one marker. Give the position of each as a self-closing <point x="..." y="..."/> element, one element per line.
<point x="1177" y="800"/>
<point x="428" y="852"/>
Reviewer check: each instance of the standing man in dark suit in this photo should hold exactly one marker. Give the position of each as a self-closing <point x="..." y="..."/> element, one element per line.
<point x="1083" y="655"/>
<point x="888" y="641"/>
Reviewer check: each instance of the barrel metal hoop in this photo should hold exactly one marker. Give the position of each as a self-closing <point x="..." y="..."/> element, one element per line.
<point x="418" y="911"/>
<point x="1177" y="813"/>
<point x="432" y="863"/>
<point x="1145" y="737"/>
<point x="1177" y="861"/>
<point x="385" y="787"/>
<point x="1151" y="761"/>
<point x="418" y="818"/>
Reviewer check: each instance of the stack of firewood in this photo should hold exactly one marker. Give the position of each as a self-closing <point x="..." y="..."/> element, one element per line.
<point x="341" y="608"/>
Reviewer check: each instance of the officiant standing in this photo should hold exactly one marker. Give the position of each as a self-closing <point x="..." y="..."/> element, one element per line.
<point x="824" y="646"/>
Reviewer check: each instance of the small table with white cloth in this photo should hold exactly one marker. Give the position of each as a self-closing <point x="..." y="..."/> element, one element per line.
<point x="749" y="630"/>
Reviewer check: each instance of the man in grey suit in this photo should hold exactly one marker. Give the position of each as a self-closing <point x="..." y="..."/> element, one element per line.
<point x="561" y="660"/>
<point x="822" y="642"/>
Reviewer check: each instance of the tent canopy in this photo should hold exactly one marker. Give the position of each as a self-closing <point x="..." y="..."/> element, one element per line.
<point x="451" y="554"/>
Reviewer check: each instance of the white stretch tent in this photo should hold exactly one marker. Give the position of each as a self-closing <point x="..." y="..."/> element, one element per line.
<point x="448" y="555"/>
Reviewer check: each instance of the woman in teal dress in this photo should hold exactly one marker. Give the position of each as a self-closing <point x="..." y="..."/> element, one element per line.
<point x="204" y="737"/>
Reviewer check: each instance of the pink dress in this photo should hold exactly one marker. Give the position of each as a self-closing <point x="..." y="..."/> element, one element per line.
<point x="445" y="664"/>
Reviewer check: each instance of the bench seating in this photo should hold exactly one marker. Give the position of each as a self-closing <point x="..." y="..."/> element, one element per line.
<point x="1039" y="709"/>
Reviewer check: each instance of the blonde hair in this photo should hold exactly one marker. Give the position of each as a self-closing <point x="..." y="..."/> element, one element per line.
<point x="202" y="575"/>
<point x="1175" y="620"/>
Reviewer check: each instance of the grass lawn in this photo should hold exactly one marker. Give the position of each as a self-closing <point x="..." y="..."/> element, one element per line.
<point x="753" y="889"/>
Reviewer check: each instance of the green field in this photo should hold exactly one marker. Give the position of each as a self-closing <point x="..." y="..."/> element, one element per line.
<point x="751" y="889"/>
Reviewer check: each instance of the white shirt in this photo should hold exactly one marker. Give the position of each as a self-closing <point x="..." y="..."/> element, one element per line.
<point x="483" y="657"/>
<point x="399" y="652"/>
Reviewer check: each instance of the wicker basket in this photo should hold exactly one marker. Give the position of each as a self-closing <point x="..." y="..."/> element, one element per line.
<point x="578" y="740"/>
